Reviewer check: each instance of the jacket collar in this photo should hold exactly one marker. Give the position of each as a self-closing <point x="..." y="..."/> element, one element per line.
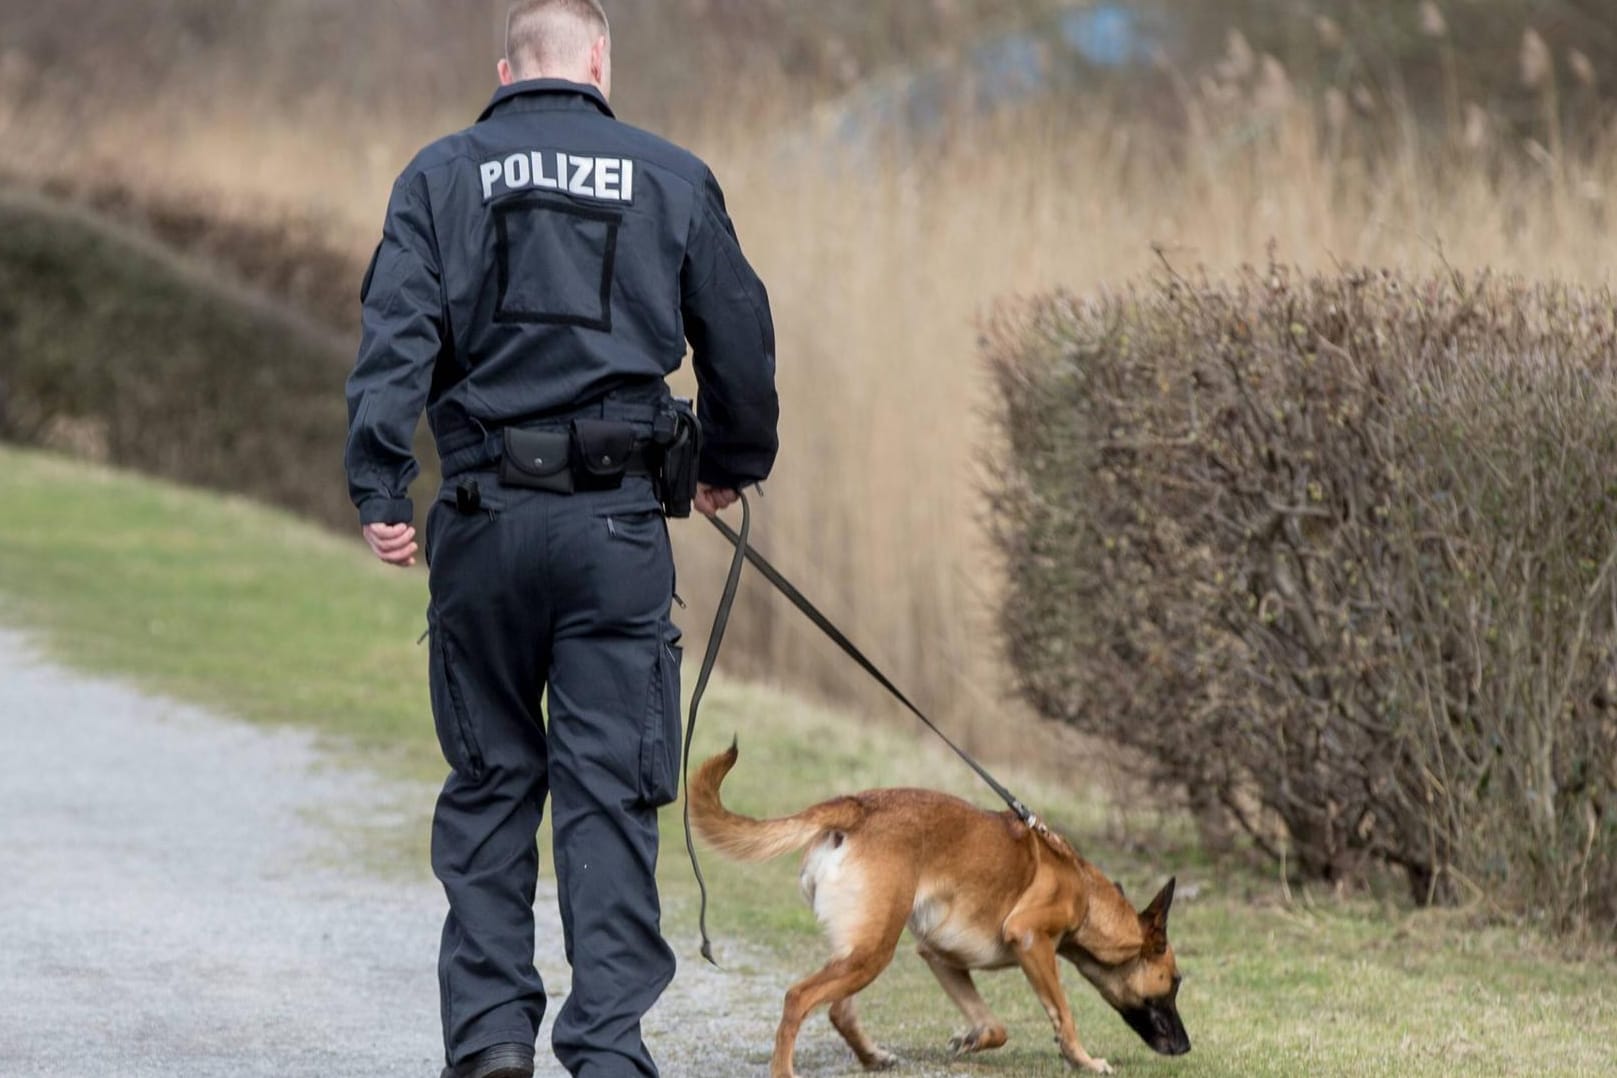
<point x="533" y="94"/>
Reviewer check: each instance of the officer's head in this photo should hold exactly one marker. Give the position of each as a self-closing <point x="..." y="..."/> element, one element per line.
<point x="558" y="39"/>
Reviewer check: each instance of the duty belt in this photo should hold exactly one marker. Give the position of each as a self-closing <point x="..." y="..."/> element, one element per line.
<point x="486" y="454"/>
<point x="594" y="454"/>
<point x="471" y="447"/>
<point x="479" y="456"/>
<point x="595" y="451"/>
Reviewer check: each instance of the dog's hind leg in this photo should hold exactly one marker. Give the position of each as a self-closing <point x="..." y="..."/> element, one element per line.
<point x="866" y="945"/>
<point x="872" y="1057"/>
<point x="986" y="1032"/>
<point x="837" y="981"/>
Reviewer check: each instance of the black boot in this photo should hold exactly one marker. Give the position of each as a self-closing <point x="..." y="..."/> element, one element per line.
<point x="500" y="1061"/>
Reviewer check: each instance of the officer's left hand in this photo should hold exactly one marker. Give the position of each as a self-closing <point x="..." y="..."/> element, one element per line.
<point x="711" y="501"/>
<point x="393" y="543"/>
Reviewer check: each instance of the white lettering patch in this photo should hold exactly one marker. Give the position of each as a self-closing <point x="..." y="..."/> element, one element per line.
<point x="583" y="168"/>
<point x="603" y="179"/>
<point x="517" y="175"/>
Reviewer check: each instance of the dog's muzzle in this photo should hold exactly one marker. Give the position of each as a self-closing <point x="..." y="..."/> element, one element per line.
<point x="1160" y="1027"/>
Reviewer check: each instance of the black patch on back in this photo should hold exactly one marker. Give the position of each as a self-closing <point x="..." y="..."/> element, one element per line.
<point x="556" y="262"/>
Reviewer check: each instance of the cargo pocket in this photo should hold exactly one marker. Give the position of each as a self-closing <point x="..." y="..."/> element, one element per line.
<point x="449" y="713"/>
<point x="659" y="738"/>
<point x="555" y="263"/>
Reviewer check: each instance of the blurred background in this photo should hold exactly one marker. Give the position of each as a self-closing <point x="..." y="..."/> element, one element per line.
<point x="192" y="188"/>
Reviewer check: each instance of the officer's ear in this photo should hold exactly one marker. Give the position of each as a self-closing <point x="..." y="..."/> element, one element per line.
<point x="601" y="65"/>
<point x="507" y="76"/>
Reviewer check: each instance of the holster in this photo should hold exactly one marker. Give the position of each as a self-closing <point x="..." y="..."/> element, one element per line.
<point x="678" y="435"/>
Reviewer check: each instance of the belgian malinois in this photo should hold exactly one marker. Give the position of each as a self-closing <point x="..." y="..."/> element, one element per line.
<point x="978" y="890"/>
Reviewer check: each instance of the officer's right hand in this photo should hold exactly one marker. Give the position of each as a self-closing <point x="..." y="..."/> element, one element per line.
<point x="393" y="543"/>
<point x="711" y="501"/>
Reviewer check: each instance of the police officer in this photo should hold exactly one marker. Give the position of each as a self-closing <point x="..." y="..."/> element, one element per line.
<point x="538" y="277"/>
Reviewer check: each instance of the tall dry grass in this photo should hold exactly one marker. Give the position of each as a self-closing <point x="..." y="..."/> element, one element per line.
<point x="882" y="271"/>
<point x="882" y="264"/>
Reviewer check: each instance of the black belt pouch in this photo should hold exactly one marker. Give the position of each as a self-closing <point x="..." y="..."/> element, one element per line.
<point x="682" y="458"/>
<point x="537" y="460"/>
<point x="601" y="450"/>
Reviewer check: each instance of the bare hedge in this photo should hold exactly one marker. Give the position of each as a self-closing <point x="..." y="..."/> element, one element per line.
<point x="1336" y="556"/>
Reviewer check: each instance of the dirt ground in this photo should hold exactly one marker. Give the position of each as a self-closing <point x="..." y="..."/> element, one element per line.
<point x="179" y="900"/>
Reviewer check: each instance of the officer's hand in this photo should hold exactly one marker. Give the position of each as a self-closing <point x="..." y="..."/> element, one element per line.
<point x="393" y="543"/>
<point x="711" y="501"/>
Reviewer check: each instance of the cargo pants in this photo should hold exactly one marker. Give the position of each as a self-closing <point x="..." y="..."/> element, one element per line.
<point x="534" y="591"/>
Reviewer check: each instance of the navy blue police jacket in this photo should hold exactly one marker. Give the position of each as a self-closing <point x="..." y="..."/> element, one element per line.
<point x="541" y="260"/>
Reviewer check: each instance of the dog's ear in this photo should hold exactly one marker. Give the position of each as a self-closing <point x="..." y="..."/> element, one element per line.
<point x="1154" y="921"/>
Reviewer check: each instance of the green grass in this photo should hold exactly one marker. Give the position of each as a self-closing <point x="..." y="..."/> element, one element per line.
<point x="243" y="609"/>
<point x="217" y="601"/>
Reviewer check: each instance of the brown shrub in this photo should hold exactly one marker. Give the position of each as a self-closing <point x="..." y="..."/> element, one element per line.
<point x="1335" y="555"/>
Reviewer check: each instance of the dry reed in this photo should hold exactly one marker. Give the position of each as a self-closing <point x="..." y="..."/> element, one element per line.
<point x="883" y="264"/>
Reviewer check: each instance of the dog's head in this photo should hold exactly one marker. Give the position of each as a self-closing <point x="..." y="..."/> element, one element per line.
<point x="1144" y="989"/>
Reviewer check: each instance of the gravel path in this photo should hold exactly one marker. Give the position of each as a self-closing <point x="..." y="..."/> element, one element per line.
<point x="174" y="901"/>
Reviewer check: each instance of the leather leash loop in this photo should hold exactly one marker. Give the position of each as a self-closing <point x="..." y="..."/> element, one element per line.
<point x="721" y="619"/>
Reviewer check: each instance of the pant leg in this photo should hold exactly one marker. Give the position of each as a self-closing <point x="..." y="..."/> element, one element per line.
<point x="489" y="640"/>
<point x="614" y="751"/>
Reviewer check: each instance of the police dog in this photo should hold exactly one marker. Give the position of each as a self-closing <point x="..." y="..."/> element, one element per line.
<point x="978" y="890"/>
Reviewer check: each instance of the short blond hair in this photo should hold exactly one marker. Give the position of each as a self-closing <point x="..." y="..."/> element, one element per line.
<point x="547" y="34"/>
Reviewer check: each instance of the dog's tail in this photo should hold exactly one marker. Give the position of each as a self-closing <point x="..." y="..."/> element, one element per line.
<point x="742" y="838"/>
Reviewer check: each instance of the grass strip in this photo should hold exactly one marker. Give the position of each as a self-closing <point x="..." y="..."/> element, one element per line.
<point x="246" y="610"/>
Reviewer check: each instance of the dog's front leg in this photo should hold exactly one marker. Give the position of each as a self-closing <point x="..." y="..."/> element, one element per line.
<point x="1037" y="954"/>
<point x="986" y="1032"/>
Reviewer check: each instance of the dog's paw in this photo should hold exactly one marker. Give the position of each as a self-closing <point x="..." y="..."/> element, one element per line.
<point x="1076" y="1057"/>
<point x="881" y="1060"/>
<point x="981" y="1039"/>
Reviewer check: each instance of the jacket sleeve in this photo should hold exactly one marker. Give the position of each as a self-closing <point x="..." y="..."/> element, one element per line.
<point x="403" y="330"/>
<point x="732" y="339"/>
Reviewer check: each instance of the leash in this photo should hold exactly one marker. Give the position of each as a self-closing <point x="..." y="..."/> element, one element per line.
<point x="721" y="619"/>
<point x="745" y="553"/>
<point x="840" y="639"/>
